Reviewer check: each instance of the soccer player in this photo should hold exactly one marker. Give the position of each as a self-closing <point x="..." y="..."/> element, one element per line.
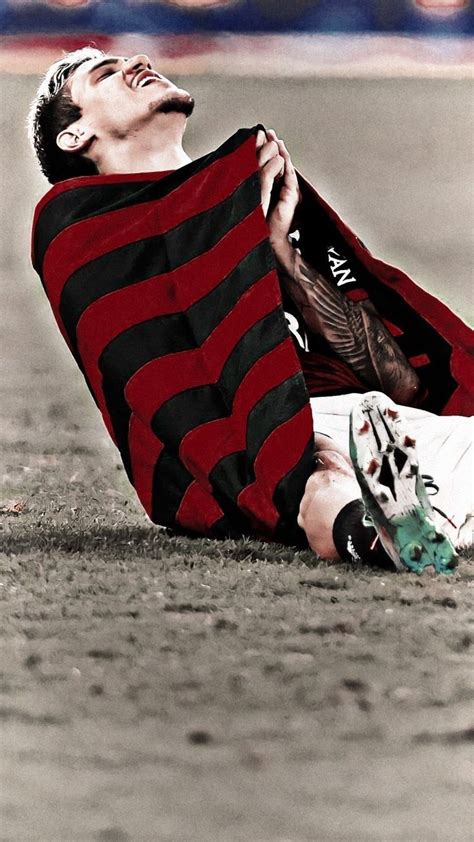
<point x="96" y="113"/>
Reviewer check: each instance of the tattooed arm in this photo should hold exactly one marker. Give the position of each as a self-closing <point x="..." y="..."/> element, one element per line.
<point x="353" y="330"/>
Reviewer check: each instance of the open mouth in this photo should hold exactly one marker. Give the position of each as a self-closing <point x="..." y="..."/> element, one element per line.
<point x="147" y="81"/>
<point x="145" y="77"/>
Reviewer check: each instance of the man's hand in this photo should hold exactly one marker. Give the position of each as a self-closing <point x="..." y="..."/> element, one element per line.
<point x="276" y="165"/>
<point x="353" y="330"/>
<point x="271" y="163"/>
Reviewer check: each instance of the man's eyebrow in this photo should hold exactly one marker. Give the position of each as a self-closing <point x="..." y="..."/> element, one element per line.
<point x="103" y="63"/>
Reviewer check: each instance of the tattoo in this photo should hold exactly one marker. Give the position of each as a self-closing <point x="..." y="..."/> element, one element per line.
<point x="353" y="330"/>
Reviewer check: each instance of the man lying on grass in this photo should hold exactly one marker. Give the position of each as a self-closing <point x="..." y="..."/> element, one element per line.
<point x="167" y="278"/>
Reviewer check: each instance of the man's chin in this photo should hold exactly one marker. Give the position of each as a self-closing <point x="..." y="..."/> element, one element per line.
<point x="182" y="103"/>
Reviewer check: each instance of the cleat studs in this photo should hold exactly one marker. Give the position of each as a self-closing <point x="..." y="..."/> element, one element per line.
<point x="382" y="497"/>
<point x="413" y="472"/>
<point x="435" y="536"/>
<point x="452" y="563"/>
<point x="365" y="427"/>
<point x="400" y="459"/>
<point x="392" y="413"/>
<point x="408" y="441"/>
<point x="415" y="552"/>
<point x="372" y="467"/>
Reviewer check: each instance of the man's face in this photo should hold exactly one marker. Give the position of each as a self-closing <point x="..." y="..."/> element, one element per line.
<point x="117" y="95"/>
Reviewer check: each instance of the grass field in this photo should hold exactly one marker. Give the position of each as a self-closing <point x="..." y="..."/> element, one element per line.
<point x="159" y="688"/>
<point x="155" y="687"/>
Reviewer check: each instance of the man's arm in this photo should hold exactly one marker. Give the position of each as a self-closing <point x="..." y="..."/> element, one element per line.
<point x="353" y="330"/>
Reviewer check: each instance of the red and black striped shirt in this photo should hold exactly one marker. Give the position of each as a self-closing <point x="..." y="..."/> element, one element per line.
<point x="165" y="289"/>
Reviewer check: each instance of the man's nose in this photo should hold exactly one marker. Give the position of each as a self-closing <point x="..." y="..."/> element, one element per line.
<point x="136" y="63"/>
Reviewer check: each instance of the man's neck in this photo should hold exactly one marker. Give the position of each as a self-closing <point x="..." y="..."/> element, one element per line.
<point x="148" y="150"/>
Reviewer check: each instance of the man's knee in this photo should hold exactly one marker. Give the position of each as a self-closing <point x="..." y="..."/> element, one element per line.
<point x="323" y="442"/>
<point x="328" y="490"/>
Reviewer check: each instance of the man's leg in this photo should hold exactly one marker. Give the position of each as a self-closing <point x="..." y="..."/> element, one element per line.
<point x="329" y="489"/>
<point x="445" y="446"/>
<point x="384" y="454"/>
<point x="446" y="452"/>
<point x="332" y="512"/>
<point x="333" y="515"/>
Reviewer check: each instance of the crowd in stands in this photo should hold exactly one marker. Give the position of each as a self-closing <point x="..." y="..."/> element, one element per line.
<point x="431" y="17"/>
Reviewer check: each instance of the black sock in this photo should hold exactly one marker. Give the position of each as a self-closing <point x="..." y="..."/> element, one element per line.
<point x="355" y="542"/>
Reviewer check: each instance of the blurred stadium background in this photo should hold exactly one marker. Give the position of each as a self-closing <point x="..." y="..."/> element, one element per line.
<point x="208" y="35"/>
<point x="374" y="100"/>
<point x="434" y="17"/>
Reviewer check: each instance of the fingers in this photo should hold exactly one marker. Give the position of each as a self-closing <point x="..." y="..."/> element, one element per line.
<point x="271" y="171"/>
<point x="271" y="164"/>
<point x="267" y="152"/>
<point x="260" y="139"/>
<point x="290" y="178"/>
<point x="275" y="163"/>
<point x="267" y="146"/>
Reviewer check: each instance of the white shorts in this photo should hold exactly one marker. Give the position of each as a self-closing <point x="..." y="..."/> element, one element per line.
<point x="445" y="452"/>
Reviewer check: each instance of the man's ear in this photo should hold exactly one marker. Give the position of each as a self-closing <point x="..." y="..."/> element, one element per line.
<point x="74" y="139"/>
